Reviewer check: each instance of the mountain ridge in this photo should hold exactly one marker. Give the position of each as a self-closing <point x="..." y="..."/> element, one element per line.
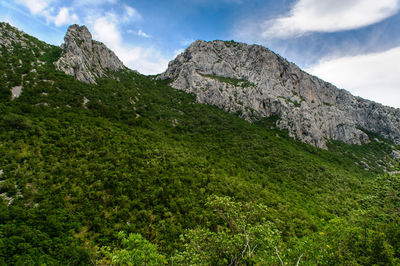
<point x="311" y="109"/>
<point x="250" y="81"/>
<point x="84" y="165"/>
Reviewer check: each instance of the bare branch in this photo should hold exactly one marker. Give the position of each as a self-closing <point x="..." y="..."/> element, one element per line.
<point x="277" y="253"/>
<point x="298" y="262"/>
<point x="233" y="261"/>
<point x="252" y="252"/>
<point x="246" y="245"/>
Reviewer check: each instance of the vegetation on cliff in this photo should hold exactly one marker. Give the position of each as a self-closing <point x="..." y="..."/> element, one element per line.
<point x="131" y="170"/>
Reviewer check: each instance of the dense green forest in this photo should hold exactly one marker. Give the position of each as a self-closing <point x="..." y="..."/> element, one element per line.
<point x="132" y="171"/>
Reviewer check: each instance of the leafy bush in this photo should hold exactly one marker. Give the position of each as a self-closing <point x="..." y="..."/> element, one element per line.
<point x="131" y="250"/>
<point x="241" y="236"/>
<point x="142" y="157"/>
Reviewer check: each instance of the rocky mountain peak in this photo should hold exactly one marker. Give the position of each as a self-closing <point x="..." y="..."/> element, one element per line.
<point x="84" y="58"/>
<point x="253" y="82"/>
<point x="78" y="36"/>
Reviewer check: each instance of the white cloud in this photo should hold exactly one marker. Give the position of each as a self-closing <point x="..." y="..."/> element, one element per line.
<point x="46" y="9"/>
<point x="140" y="33"/>
<point x="106" y="31"/>
<point x="64" y="17"/>
<point x="328" y="16"/>
<point x="93" y="3"/>
<point x="9" y="21"/>
<point x="178" y="52"/>
<point x="371" y="76"/>
<point x="105" y="20"/>
<point x="143" y="34"/>
<point x="187" y="42"/>
<point x="126" y="15"/>
<point x="131" y="14"/>
<point x="146" y="60"/>
<point x="35" y="6"/>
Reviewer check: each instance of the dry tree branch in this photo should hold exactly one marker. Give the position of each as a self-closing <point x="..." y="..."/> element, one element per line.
<point x="298" y="262"/>
<point x="277" y="253"/>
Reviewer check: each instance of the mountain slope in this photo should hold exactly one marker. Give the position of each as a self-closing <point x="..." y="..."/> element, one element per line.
<point x="254" y="82"/>
<point x="80" y="162"/>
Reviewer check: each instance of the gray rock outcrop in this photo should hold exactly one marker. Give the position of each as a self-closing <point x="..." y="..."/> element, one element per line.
<point x="13" y="40"/>
<point x="11" y="37"/>
<point x="396" y="154"/>
<point x="254" y="82"/>
<point x="84" y="58"/>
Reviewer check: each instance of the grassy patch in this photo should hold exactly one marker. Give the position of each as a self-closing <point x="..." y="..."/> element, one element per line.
<point x="232" y="81"/>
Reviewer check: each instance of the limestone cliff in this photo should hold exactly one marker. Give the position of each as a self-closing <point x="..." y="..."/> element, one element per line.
<point x="84" y="58"/>
<point x="254" y="82"/>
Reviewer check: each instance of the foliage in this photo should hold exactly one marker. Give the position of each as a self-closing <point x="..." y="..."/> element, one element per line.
<point x="131" y="250"/>
<point x="234" y="82"/>
<point x="241" y="235"/>
<point x="141" y="157"/>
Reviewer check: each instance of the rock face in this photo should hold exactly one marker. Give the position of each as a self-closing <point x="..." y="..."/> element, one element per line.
<point x="13" y="40"/>
<point x="11" y="37"/>
<point x="254" y="82"/>
<point x="396" y="154"/>
<point x="84" y="58"/>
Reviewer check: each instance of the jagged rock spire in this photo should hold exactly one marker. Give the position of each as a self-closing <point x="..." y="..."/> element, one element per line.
<point x="84" y="58"/>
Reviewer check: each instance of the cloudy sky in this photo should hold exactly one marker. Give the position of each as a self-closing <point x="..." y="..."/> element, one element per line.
<point x="354" y="44"/>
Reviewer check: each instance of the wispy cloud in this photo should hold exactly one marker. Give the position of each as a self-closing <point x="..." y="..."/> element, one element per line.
<point x="131" y="14"/>
<point x="106" y="31"/>
<point x="371" y="76"/>
<point x="48" y="10"/>
<point x="187" y="42"/>
<point x="143" y="34"/>
<point x="35" y="6"/>
<point x="105" y="19"/>
<point x="65" y="16"/>
<point x="139" y="33"/>
<point x="146" y="60"/>
<point x="307" y="16"/>
<point x="93" y="3"/>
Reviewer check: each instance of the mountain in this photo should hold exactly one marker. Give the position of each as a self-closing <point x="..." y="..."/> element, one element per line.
<point x="84" y="58"/>
<point x="128" y="170"/>
<point x="253" y="82"/>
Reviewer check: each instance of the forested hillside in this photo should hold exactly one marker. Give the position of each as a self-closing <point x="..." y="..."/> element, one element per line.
<point x="132" y="170"/>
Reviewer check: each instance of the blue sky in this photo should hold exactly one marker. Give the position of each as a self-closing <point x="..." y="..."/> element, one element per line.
<point x="354" y="44"/>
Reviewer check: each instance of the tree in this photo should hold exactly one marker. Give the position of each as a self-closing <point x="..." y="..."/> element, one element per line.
<point x="131" y="250"/>
<point x="242" y="236"/>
